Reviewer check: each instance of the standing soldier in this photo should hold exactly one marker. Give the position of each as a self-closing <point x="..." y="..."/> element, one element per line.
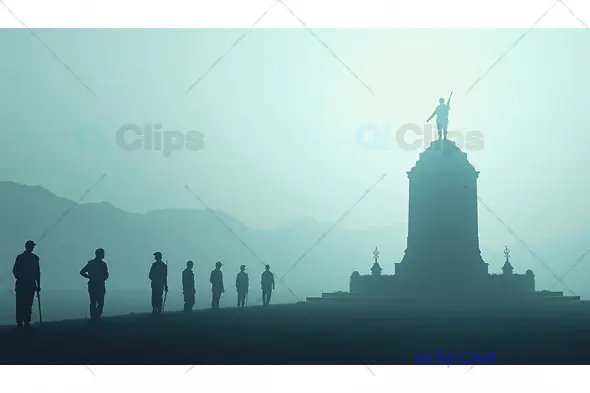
<point x="159" y="277"/>
<point x="216" y="281"/>
<point x="242" y="284"/>
<point x="97" y="272"/>
<point x="268" y="285"/>
<point x="28" y="281"/>
<point x="442" y="116"/>
<point x="188" y="287"/>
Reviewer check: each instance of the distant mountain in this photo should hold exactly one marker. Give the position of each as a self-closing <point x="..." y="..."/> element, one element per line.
<point x="130" y="239"/>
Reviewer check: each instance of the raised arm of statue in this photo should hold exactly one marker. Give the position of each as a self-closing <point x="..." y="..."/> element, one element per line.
<point x="449" y="100"/>
<point x="431" y="116"/>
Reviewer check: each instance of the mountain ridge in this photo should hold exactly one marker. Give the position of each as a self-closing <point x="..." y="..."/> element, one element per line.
<point x="130" y="239"/>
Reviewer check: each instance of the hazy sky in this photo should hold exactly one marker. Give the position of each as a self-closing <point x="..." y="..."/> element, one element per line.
<point x="280" y="116"/>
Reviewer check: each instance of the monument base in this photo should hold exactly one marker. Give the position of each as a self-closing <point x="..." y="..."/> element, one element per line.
<point x="439" y="284"/>
<point x="479" y="300"/>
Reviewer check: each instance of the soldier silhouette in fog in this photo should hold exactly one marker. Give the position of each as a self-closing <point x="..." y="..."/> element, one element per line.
<point x="97" y="272"/>
<point x="216" y="280"/>
<point x="267" y="281"/>
<point x="242" y="283"/>
<point x="188" y="287"/>
<point x="159" y="277"/>
<point x="27" y="273"/>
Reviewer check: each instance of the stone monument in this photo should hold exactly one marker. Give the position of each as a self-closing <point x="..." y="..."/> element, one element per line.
<point x="443" y="241"/>
<point x="442" y="256"/>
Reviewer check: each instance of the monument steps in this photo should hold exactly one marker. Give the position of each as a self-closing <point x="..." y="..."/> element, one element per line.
<point x="359" y="299"/>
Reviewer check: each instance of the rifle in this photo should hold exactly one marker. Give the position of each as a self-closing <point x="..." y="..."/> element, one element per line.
<point x="166" y="292"/>
<point x="39" y="304"/>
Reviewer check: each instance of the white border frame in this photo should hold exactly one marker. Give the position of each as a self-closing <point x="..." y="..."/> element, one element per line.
<point x="316" y="14"/>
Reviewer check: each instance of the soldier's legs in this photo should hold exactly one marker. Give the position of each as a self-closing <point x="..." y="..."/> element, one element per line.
<point x="20" y="308"/>
<point x="192" y="302"/>
<point x="268" y="296"/>
<point x="442" y="129"/>
<point x="215" y="301"/>
<point x="189" y="301"/>
<point x="100" y="303"/>
<point x="186" y="301"/>
<point x="29" y="298"/>
<point x="264" y="297"/>
<point x="157" y="299"/>
<point x="25" y="296"/>
<point x="92" y="297"/>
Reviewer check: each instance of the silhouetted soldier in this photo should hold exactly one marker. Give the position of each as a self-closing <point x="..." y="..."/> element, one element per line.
<point x="28" y="281"/>
<point x="216" y="281"/>
<point x="97" y="272"/>
<point x="268" y="285"/>
<point x="242" y="283"/>
<point x="188" y="287"/>
<point x="442" y="116"/>
<point x="159" y="277"/>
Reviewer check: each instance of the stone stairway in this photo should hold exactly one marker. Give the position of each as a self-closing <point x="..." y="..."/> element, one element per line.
<point x="536" y="298"/>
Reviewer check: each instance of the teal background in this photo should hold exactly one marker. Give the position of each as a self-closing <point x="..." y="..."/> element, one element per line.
<point x="280" y="115"/>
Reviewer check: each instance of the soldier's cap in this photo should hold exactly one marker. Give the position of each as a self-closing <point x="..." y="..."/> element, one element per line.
<point x="157" y="254"/>
<point x="30" y="242"/>
<point x="218" y="263"/>
<point x="243" y="267"/>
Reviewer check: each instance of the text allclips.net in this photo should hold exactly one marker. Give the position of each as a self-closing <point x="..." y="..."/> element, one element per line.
<point x="454" y="358"/>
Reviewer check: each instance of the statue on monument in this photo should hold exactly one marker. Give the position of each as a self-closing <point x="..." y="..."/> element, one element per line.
<point x="442" y="116"/>
<point x="376" y="269"/>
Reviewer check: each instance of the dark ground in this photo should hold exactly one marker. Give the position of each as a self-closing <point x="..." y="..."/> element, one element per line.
<point x="311" y="334"/>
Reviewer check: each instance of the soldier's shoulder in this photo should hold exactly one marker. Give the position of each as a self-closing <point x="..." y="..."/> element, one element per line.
<point x="35" y="256"/>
